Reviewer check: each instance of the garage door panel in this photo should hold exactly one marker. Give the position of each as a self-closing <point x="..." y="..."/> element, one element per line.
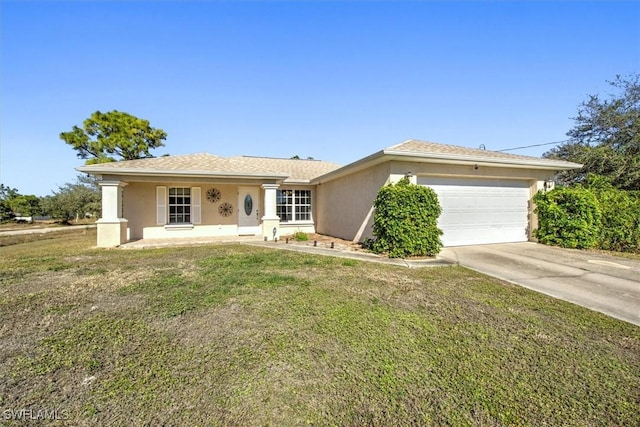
<point x="478" y="211"/>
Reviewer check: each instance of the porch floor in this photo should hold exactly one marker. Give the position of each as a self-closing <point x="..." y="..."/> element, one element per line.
<point x="187" y="241"/>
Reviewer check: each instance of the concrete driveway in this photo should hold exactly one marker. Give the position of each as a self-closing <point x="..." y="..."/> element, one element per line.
<point x="607" y="284"/>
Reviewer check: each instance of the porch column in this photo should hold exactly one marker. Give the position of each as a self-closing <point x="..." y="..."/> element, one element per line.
<point x="270" y="220"/>
<point x="112" y="227"/>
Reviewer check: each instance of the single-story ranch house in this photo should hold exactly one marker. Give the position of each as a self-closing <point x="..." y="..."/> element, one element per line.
<point x="486" y="196"/>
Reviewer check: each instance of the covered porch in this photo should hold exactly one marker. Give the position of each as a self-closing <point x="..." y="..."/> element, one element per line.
<point x="205" y="196"/>
<point x="189" y="209"/>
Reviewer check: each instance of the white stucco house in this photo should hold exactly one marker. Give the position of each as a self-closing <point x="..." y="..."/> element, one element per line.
<point x="486" y="196"/>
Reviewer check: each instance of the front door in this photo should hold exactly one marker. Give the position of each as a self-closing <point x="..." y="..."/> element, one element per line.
<point x="248" y="211"/>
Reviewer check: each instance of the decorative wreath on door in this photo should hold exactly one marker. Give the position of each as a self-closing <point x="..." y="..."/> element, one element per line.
<point x="225" y="209"/>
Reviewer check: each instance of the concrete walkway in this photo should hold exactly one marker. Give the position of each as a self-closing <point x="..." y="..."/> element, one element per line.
<point x="187" y="241"/>
<point x="323" y="248"/>
<point x="601" y="282"/>
<point x="340" y="252"/>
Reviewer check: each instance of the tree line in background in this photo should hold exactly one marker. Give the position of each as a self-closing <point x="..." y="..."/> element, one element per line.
<point x="72" y="201"/>
<point x="605" y="138"/>
<point x="598" y="206"/>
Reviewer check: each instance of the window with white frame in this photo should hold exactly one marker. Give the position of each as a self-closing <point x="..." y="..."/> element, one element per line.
<point x="293" y="205"/>
<point x="179" y="205"/>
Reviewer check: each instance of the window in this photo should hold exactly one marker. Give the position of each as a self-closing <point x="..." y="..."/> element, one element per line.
<point x="302" y="205"/>
<point x="179" y="205"/>
<point x="284" y="204"/>
<point x="293" y="205"/>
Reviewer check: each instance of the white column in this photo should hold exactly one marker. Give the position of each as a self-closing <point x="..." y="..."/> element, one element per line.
<point x="112" y="227"/>
<point x="270" y="201"/>
<point x="112" y="199"/>
<point x="270" y="220"/>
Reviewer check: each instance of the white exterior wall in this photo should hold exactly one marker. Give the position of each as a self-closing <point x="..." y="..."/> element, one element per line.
<point x="345" y="205"/>
<point x="287" y="229"/>
<point x="140" y="209"/>
<point x="169" y="231"/>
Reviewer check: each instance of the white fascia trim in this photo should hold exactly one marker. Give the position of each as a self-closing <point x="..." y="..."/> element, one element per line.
<point x="181" y="173"/>
<point x="301" y="182"/>
<point x="452" y="159"/>
<point x="494" y="161"/>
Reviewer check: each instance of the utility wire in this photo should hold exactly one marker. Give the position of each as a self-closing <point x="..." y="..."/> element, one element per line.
<point x="535" y="145"/>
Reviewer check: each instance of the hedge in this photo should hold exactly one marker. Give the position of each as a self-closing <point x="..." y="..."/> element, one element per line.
<point x="596" y="215"/>
<point x="568" y="217"/>
<point x="405" y="221"/>
<point x="620" y="224"/>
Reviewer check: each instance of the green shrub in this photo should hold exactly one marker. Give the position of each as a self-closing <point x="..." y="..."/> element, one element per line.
<point x="405" y="221"/>
<point x="299" y="236"/>
<point x="568" y="217"/>
<point x="620" y="229"/>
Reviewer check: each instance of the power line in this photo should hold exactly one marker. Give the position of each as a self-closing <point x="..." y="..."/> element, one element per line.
<point x="535" y="145"/>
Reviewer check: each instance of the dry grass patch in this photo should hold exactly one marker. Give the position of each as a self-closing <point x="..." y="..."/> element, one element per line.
<point x="239" y="335"/>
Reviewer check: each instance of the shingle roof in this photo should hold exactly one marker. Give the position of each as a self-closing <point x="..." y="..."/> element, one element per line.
<point x="297" y="169"/>
<point x="422" y="151"/>
<point x="303" y="171"/>
<point x="205" y="164"/>
<point x="422" y="148"/>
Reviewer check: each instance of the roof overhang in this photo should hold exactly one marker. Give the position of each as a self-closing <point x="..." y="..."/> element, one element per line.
<point x="441" y="158"/>
<point x="198" y="174"/>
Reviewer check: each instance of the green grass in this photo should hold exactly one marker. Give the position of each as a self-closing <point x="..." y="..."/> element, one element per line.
<point x="237" y="335"/>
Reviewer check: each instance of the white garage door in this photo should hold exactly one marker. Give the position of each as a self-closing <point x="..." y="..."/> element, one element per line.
<point x="478" y="211"/>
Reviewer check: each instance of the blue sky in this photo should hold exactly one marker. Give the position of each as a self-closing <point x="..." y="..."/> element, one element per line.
<point x="332" y="80"/>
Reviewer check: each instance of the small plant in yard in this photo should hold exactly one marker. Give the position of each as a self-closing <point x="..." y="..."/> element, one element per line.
<point x="300" y="236"/>
<point x="405" y="221"/>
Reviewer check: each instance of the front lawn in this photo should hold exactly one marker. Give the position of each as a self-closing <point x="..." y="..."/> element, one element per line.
<point x="238" y="335"/>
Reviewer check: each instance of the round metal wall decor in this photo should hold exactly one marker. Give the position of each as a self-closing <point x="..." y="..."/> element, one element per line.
<point x="248" y="204"/>
<point x="213" y="195"/>
<point x="225" y="209"/>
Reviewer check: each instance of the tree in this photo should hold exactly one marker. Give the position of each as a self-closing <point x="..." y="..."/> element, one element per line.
<point x="74" y="199"/>
<point x="606" y="137"/>
<point x="112" y="136"/>
<point x="25" y="205"/>
<point x="6" y="195"/>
